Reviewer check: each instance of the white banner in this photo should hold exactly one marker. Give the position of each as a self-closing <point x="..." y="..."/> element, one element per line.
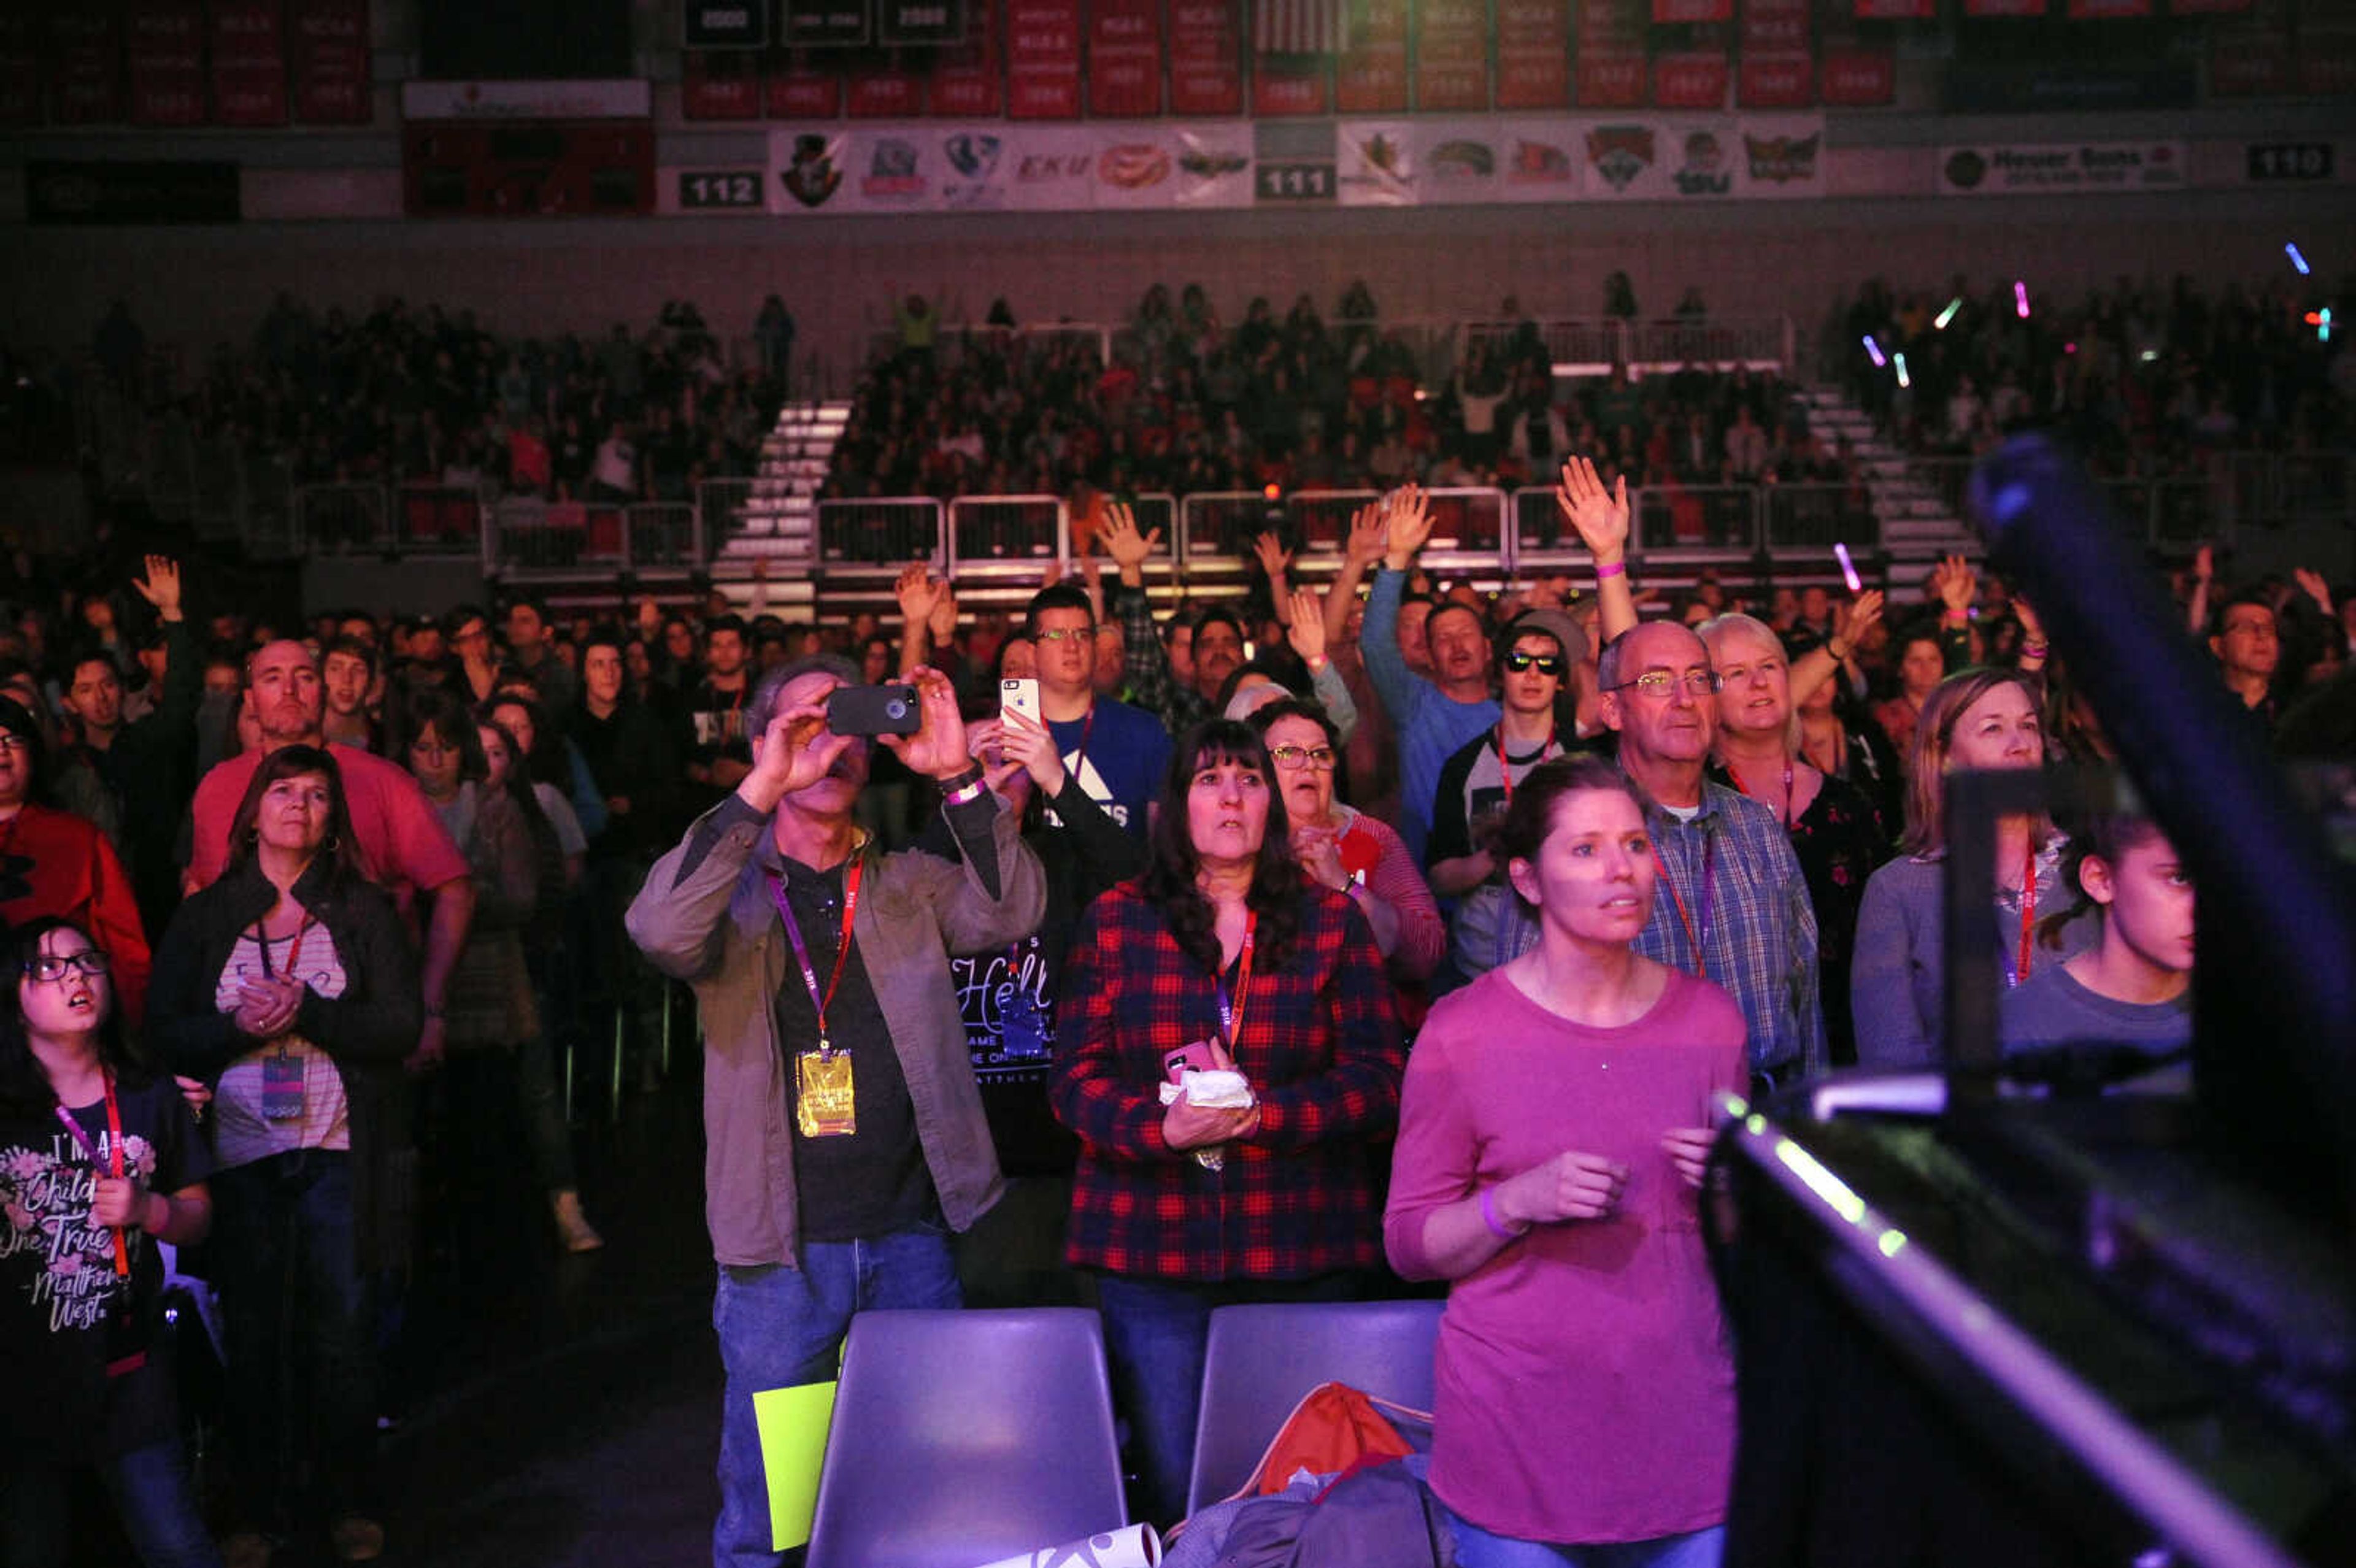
<point x="629" y="99"/>
<point x="2057" y="169"/>
<point x="1004" y="165"/>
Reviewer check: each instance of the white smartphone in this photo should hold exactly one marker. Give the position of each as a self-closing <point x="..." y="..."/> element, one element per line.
<point x="1848" y="569"/>
<point x="1020" y="695"/>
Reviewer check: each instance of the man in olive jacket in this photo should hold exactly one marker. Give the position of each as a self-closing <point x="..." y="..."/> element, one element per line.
<point x="844" y="1135"/>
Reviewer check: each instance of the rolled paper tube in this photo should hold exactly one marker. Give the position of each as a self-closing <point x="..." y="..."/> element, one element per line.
<point x="1135" y="1547"/>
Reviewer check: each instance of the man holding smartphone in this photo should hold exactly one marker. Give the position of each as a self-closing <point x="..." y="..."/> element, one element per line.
<point x="1115" y="752"/>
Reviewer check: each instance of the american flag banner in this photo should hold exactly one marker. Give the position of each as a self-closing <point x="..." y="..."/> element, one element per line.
<point x="1300" y="26"/>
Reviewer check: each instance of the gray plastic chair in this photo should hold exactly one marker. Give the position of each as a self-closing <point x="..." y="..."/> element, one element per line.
<point x="963" y="1437"/>
<point x="1261" y="1359"/>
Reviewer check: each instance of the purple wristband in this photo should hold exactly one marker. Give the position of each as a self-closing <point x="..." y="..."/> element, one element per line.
<point x="1489" y="1216"/>
<point x="1614" y="569"/>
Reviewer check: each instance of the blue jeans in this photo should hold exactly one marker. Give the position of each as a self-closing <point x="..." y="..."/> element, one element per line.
<point x="152" y="1494"/>
<point x="300" y="1391"/>
<point x="1157" y="1332"/>
<point x="781" y="1328"/>
<point x="1476" y="1548"/>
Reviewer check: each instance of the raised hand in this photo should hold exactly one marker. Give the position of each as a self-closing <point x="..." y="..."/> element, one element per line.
<point x="2204" y="563"/>
<point x="1853" y="620"/>
<point x="2310" y="583"/>
<point x="917" y="590"/>
<point x="1571" y="1186"/>
<point x="1272" y="556"/>
<point x="1408" y="525"/>
<point x="937" y="748"/>
<point x="1370" y="536"/>
<point x="1957" y="585"/>
<point x="1599" y="515"/>
<point x="1307" y="631"/>
<point x="943" y="620"/>
<point x="2032" y="630"/>
<point x="795" y="751"/>
<point x="162" y="588"/>
<point x="1127" y="547"/>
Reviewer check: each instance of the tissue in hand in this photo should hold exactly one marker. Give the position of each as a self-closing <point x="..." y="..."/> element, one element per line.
<point x="1220" y="1089"/>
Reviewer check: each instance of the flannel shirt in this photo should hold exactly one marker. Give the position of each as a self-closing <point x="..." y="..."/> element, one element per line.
<point x="1322" y="1049"/>
<point x="1151" y="685"/>
<point x="1758" y="932"/>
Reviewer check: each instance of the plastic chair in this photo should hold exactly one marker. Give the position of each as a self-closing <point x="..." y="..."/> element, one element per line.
<point x="964" y="1437"/>
<point x="1261" y="1359"/>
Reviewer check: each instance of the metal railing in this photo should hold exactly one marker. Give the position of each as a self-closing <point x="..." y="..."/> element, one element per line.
<point x="884" y="530"/>
<point x="2228" y="492"/>
<point x="343" y="517"/>
<point x="1007" y="534"/>
<point x="1807" y="519"/>
<point x="951" y="344"/>
<point x="524" y="535"/>
<point x="726" y="506"/>
<point x="1219" y="523"/>
<point x="1697" y="521"/>
<point x="438" y="519"/>
<point x="663" y="533"/>
<point x="1591" y="345"/>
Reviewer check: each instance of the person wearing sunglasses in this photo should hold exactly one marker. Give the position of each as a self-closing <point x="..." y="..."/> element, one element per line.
<point x="1535" y="657"/>
<point x="99" y="1160"/>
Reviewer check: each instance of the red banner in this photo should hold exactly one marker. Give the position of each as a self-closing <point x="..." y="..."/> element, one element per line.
<point x="2326" y="61"/>
<point x="2101" y="10"/>
<point x="1613" y="26"/>
<point x="1286" y="92"/>
<point x="1452" y="55"/>
<point x="164" y="56"/>
<point x="793" y="87"/>
<point x="1532" y="54"/>
<point x="1042" y="60"/>
<point x="331" y="62"/>
<point x="249" y="63"/>
<point x="1370" y="76"/>
<point x="969" y="81"/>
<point x="1897" y="10"/>
<point x="1857" y="78"/>
<point x="1693" y="10"/>
<point x="1775" y="82"/>
<point x="1206" y="58"/>
<point x="20" y="69"/>
<point x="890" y="92"/>
<point x="1689" y="81"/>
<point x="719" y="84"/>
<point x="2004" y="7"/>
<point x="85" y="64"/>
<point x="1124" y="58"/>
<point x="2207" y="7"/>
<point x="1775" y="27"/>
<point x="1610" y="81"/>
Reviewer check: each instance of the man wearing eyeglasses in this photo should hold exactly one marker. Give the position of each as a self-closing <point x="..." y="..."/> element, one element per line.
<point x="1729" y="903"/>
<point x="1536" y="655"/>
<point x="1116" y="752"/>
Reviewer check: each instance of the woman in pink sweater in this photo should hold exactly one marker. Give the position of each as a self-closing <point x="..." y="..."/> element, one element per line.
<point x="1552" y="1135"/>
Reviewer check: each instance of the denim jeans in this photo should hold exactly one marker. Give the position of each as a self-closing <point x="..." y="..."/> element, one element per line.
<point x="1156" y="1334"/>
<point x="1476" y="1548"/>
<point x="300" y="1391"/>
<point x="153" y="1496"/>
<point x="781" y="1328"/>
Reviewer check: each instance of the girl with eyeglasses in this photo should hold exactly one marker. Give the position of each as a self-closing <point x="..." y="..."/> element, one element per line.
<point x="100" y="1162"/>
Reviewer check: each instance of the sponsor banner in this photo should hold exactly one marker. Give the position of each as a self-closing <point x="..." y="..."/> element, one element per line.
<point x="86" y="65"/>
<point x="2089" y="83"/>
<point x="886" y="92"/>
<point x="1775" y="27"/>
<point x="1693" y="10"/>
<point x="1532" y="54"/>
<point x="1042" y="60"/>
<point x="60" y="191"/>
<point x="1375" y="164"/>
<point x="1647" y="159"/>
<point x="1611" y="79"/>
<point x="164" y="52"/>
<point x="1289" y="87"/>
<point x="330" y="59"/>
<point x="1207" y="57"/>
<point x="801" y="90"/>
<point x="1176" y="165"/>
<point x="248" y="53"/>
<point x="719" y="85"/>
<point x="1370" y="76"/>
<point x="968" y="82"/>
<point x="1689" y="81"/>
<point x="2076" y="168"/>
<point x="20" y="69"/>
<point x="1124" y="58"/>
<point x="1857" y="78"/>
<point x="1492" y="161"/>
<point x="1775" y="82"/>
<point x="630" y="98"/>
<point x="1452" y="55"/>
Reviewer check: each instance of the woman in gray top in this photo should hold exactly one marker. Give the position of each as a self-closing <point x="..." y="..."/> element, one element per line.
<point x="1976" y="719"/>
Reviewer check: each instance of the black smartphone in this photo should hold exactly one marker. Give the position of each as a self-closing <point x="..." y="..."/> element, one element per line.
<point x="873" y="711"/>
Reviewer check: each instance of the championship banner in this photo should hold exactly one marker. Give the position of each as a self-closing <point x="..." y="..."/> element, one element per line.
<point x="1207" y="57"/>
<point x="1532" y="54"/>
<point x="86" y="65"/>
<point x="2208" y="7"/>
<point x="1859" y="79"/>
<point x="719" y="84"/>
<point x="330" y="61"/>
<point x="1694" y="81"/>
<point x="249" y="62"/>
<point x="1124" y="59"/>
<point x="1612" y="80"/>
<point x="969" y="81"/>
<point x="163" y="49"/>
<point x="20" y="69"/>
<point x="2258" y="65"/>
<point x="1288" y="87"/>
<point x="2101" y="10"/>
<point x="1452" y="55"/>
<point x="2004" y="7"/>
<point x="1042" y="60"/>
<point x="2077" y="168"/>
<point x="1693" y="10"/>
<point x="801" y="89"/>
<point x="1896" y="10"/>
<point x="1775" y="27"/>
<point x="883" y="92"/>
<point x="1370" y="76"/>
<point x="1775" y="82"/>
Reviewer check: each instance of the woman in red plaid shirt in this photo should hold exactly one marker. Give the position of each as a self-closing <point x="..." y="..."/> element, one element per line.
<point x="1221" y="954"/>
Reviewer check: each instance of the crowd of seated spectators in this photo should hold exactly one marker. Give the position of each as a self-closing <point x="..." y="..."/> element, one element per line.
<point x="1189" y="403"/>
<point x="2145" y="381"/>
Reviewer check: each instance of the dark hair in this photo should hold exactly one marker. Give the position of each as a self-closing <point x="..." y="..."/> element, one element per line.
<point x="1056" y="596"/>
<point x="2104" y="834"/>
<point x="519" y="789"/>
<point x="25" y="1088"/>
<point x="450" y="720"/>
<point x="547" y="761"/>
<point x="1442" y="606"/>
<point x="761" y="705"/>
<point x="1518" y="832"/>
<point x="1264" y="719"/>
<point x="351" y="647"/>
<point x="458" y="615"/>
<point x="1168" y="880"/>
<point x="719" y="623"/>
<point x="532" y="601"/>
<point x="341" y="845"/>
<point x="1220" y="612"/>
<point x="2254" y="594"/>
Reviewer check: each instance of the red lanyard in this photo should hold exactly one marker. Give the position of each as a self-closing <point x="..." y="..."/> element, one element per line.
<point x="114" y="1160"/>
<point x="1231" y="1014"/>
<point x="2028" y="917"/>
<point x="1696" y="936"/>
<point x="1787" y="790"/>
<point x="293" y="952"/>
<point x="842" y="947"/>
<point x="1505" y="768"/>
